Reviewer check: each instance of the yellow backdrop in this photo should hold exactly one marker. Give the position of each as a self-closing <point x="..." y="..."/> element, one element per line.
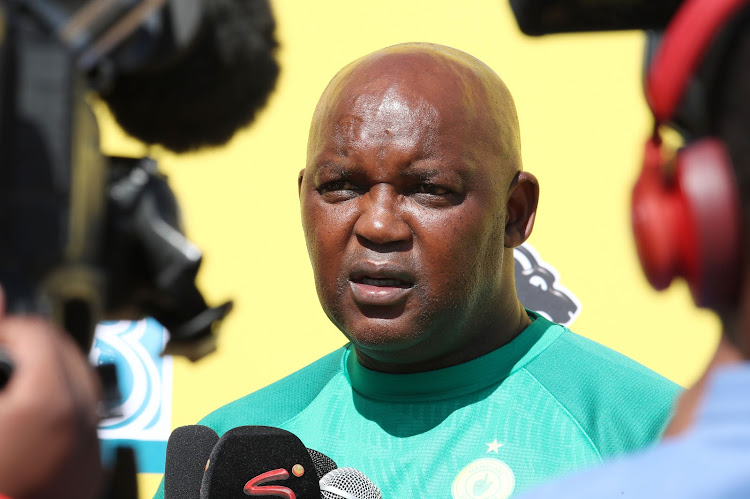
<point x="582" y="119"/>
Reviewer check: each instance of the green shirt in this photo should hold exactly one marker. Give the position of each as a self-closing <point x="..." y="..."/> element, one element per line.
<point x="545" y="404"/>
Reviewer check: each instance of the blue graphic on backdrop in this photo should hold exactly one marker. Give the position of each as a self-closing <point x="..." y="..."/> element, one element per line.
<point x="145" y="382"/>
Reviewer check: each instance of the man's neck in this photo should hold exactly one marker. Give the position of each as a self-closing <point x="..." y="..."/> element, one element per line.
<point x="490" y="338"/>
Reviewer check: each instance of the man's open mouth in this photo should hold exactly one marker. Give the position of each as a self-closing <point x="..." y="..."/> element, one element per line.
<point x="381" y="289"/>
<point x="383" y="282"/>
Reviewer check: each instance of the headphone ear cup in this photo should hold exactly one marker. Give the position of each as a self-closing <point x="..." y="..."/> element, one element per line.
<point x="688" y="224"/>
<point x="658" y="219"/>
<point x="712" y="204"/>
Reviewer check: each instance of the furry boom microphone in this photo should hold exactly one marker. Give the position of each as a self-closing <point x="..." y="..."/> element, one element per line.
<point x="215" y="86"/>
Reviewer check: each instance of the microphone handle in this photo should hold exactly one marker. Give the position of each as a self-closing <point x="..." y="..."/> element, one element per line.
<point x="6" y="368"/>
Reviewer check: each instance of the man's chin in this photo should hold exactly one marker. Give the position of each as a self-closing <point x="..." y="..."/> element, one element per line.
<point x="386" y="344"/>
<point x="382" y="332"/>
<point x="396" y="355"/>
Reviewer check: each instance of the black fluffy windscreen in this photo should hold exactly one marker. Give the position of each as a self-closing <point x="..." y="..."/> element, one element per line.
<point x="188" y="450"/>
<point x="214" y="88"/>
<point x="259" y="461"/>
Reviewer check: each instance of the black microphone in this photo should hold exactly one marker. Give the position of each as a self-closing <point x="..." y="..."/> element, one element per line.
<point x="323" y="464"/>
<point x="260" y="461"/>
<point x="213" y="89"/>
<point x="541" y="17"/>
<point x="188" y="450"/>
<point x="348" y="483"/>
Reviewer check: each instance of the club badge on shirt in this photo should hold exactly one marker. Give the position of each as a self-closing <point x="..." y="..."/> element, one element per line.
<point x="485" y="478"/>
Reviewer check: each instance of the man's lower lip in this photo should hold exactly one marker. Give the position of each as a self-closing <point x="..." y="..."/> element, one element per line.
<point x="367" y="294"/>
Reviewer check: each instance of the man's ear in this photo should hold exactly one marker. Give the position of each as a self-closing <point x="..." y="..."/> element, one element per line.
<point x="299" y="181"/>
<point x="523" y="197"/>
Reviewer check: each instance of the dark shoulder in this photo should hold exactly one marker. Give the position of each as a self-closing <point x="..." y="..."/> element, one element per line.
<point x="280" y="401"/>
<point x="620" y="404"/>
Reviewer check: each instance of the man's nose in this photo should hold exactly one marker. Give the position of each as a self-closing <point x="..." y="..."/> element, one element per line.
<point x="381" y="220"/>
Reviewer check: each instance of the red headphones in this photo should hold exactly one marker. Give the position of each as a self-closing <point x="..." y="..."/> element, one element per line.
<point x="686" y="210"/>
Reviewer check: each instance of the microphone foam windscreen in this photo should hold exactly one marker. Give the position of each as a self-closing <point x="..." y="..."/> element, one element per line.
<point x="212" y="90"/>
<point x="348" y="483"/>
<point x="259" y="461"/>
<point x="188" y="449"/>
<point x="323" y="463"/>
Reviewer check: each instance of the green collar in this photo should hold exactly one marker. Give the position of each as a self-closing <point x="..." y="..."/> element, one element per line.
<point x="454" y="381"/>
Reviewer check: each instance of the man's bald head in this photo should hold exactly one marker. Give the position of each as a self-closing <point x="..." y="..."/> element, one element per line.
<point x="412" y="202"/>
<point x="459" y="82"/>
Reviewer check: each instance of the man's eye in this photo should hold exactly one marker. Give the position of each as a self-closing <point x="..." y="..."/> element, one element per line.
<point x="335" y="186"/>
<point x="339" y="190"/>
<point x="434" y="190"/>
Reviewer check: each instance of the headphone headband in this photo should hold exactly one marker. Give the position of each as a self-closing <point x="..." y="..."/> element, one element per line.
<point x="685" y="42"/>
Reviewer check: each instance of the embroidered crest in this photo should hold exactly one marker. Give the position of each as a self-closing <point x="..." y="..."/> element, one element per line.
<point x="486" y="478"/>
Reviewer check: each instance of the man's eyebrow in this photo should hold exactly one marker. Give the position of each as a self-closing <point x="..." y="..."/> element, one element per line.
<point x="420" y="173"/>
<point x="427" y="173"/>
<point x="337" y="169"/>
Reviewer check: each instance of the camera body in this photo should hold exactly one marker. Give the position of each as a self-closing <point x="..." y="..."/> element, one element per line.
<point x="85" y="236"/>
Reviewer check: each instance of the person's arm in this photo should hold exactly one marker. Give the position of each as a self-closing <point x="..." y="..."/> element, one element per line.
<point x="48" y="414"/>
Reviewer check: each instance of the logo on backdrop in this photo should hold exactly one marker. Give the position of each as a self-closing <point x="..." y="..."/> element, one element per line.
<point x="539" y="289"/>
<point x="485" y="478"/>
<point x="145" y="383"/>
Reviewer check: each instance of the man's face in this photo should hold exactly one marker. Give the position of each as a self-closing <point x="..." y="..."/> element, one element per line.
<point x="403" y="207"/>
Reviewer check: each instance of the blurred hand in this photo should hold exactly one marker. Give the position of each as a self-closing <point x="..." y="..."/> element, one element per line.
<point x="48" y="414"/>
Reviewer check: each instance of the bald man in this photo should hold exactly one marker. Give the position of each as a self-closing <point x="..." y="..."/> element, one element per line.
<point x="413" y="199"/>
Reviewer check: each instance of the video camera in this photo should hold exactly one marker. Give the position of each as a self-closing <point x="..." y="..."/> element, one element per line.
<point x="85" y="236"/>
<point x="543" y="17"/>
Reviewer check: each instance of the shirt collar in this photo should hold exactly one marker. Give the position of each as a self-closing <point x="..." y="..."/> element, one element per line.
<point x="454" y="381"/>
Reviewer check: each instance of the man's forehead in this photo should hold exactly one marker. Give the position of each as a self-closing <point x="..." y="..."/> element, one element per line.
<point x="398" y="91"/>
<point x="441" y="93"/>
<point x="389" y="110"/>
